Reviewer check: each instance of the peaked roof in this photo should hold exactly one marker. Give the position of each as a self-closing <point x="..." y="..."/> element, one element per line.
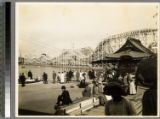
<point x="133" y="48"/>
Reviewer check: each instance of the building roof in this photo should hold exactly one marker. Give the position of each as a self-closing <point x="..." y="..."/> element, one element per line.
<point x="133" y="48"/>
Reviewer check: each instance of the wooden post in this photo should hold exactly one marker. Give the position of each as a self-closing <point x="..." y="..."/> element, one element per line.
<point x="80" y="108"/>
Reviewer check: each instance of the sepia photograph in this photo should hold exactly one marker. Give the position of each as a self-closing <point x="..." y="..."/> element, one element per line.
<point x="86" y="59"/>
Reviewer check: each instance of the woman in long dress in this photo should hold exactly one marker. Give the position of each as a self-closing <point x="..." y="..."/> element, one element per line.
<point x="132" y="86"/>
<point x="62" y="77"/>
<point x="82" y="82"/>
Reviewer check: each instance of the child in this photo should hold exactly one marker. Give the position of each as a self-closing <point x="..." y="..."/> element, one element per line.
<point x="118" y="105"/>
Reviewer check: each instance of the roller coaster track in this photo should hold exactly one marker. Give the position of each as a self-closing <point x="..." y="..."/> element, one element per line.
<point x="110" y="44"/>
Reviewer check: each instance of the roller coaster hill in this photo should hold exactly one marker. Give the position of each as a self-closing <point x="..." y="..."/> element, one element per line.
<point x="126" y="49"/>
<point x="99" y="57"/>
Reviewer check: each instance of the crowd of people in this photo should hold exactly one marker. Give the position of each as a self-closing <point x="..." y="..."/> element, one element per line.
<point x="109" y="82"/>
<point x="116" y="85"/>
<point x="62" y="77"/>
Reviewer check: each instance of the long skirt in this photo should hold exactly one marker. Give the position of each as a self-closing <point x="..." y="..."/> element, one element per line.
<point x="62" y="79"/>
<point x="132" y="88"/>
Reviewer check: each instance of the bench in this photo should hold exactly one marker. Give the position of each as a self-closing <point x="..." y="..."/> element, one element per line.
<point x="85" y="104"/>
<point x="78" y="107"/>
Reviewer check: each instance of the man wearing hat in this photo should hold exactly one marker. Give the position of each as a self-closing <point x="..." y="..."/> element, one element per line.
<point x="64" y="98"/>
<point x="118" y="105"/>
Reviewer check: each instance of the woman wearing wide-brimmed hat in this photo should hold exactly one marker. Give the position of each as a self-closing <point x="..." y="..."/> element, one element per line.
<point x="118" y="105"/>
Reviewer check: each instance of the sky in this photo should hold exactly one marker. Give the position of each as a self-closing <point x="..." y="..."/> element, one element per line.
<point x="51" y="27"/>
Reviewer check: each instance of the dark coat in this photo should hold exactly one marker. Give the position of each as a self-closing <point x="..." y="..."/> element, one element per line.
<point x="66" y="98"/>
<point x="149" y="102"/>
<point x="93" y="75"/>
<point x="30" y="74"/>
<point x="90" y="74"/>
<point x="45" y="77"/>
<point x="22" y="78"/>
<point x="82" y="84"/>
<point x="70" y="74"/>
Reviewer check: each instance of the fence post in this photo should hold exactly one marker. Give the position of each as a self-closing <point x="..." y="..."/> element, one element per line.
<point x="80" y="108"/>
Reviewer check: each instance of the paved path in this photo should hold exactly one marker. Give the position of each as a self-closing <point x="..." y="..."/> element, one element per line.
<point x="39" y="98"/>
